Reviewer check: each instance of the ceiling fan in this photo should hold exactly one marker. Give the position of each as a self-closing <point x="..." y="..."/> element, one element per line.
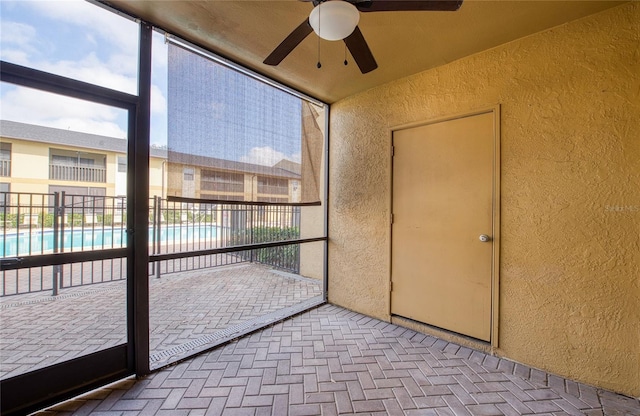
<point x="338" y="20"/>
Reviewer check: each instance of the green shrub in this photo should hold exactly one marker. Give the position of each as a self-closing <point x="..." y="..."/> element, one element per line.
<point x="284" y="257"/>
<point x="75" y="220"/>
<point x="9" y="220"/>
<point x="171" y="216"/>
<point x="46" y="220"/>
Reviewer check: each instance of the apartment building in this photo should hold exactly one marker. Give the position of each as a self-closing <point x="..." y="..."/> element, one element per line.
<point x="43" y="160"/>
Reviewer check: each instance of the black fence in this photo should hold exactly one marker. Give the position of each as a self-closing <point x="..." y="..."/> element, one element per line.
<point x="183" y="227"/>
<point x="34" y="224"/>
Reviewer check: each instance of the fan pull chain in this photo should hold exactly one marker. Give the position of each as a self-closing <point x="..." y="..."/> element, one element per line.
<point x="319" y="65"/>
<point x="345" y="55"/>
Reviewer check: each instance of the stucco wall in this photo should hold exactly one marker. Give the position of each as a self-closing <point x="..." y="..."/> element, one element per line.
<point x="29" y="166"/>
<point x="570" y="137"/>
<point x="157" y="177"/>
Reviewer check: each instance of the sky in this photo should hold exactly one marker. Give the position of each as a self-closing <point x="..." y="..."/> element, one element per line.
<point x="218" y="112"/>
<point x="80" y="40"/>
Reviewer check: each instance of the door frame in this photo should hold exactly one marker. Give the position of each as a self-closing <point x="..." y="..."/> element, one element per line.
<point x="495" y="261"/>
<point x="42" y="387"/>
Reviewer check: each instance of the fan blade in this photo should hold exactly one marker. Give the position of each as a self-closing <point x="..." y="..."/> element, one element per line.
<point x="360" y="51"/>
<point x="408" y="5"/>
<point x="289" y="43"/>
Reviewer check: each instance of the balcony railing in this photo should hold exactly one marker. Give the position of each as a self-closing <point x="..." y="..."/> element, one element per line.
<point x="273" y="190"/>
<point x="5" y="168"/>
<point x="221" y="186"/>
<point x="77" y="173"/>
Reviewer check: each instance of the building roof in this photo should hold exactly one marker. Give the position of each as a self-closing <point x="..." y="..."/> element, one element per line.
<point x="35" y="133"/>
<point x="289" y="165"/>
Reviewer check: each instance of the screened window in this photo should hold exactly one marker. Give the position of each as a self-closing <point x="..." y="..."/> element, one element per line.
<point x="5" y="159"/>
<point x="242" y="156"/>
<point x="77" y="166"/>
<point x="72" y="161"/>
<point x="5" y="151"/>
<point x="268" y="185"/>
<point x="64" y="160"/>
<point x="122" y="164"/>
<point x="225" y="121"/>
<point x="221" y="181"/>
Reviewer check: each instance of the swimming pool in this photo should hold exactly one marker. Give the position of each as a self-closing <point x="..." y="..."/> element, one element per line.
<point x="41" y="241"/>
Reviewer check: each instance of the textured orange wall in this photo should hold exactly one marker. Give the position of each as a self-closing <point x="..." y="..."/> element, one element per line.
<point x="570" y="136"/>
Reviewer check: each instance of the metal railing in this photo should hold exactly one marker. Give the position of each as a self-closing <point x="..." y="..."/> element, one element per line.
<point x="207" y="185"/>
<point x="182" y="227"/>
<point x="34" y="224"/>
<point x="273" y="190"/>
<point x="77" y="173"/>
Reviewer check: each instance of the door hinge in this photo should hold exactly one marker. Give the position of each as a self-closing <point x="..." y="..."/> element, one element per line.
<point x="391" y="219"/>
<point x="393" y="151"/>
<point x="391" y="287"/>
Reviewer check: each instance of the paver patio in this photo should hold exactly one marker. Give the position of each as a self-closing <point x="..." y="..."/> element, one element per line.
<point x="188" y="310"/>
<point x="330" y="361"/>
<point x="322" y="362"/>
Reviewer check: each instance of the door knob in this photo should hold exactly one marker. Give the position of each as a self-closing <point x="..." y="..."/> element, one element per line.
<point x="484" y="238"/>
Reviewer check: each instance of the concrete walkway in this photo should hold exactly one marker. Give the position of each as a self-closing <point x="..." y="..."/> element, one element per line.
<point x="331" y="361"/>
<point x="187" y="310"/>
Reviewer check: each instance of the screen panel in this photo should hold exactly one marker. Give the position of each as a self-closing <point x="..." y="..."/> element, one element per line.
<point x="243" y="139"/>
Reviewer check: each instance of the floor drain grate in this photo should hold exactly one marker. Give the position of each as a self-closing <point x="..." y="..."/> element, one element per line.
<point x="181" y="351"/>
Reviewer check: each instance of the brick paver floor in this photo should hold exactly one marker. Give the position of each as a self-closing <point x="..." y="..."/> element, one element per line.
<point x="330" y="361"/>
<point x="39" y="329"/>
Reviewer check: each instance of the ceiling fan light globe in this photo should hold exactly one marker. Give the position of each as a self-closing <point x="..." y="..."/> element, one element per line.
<point x="334" y="19"/>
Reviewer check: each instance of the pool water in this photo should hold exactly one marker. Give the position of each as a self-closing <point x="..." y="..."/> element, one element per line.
<point x="41" y="241"/>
